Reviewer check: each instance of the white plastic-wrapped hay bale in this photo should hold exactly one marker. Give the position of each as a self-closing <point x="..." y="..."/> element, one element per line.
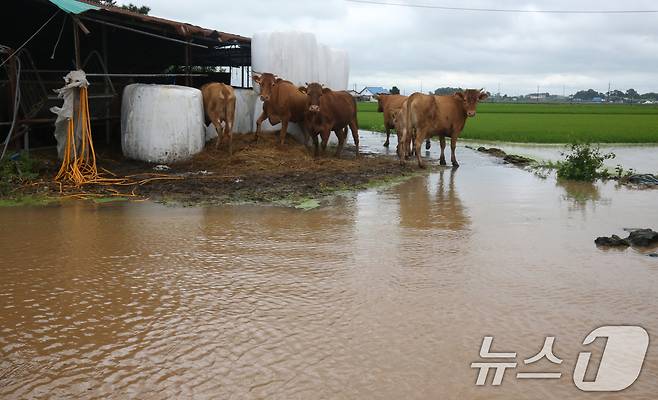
<point x="338" y="71"/>
<point x="290" y="55"/>
<point x="161" y="123"/>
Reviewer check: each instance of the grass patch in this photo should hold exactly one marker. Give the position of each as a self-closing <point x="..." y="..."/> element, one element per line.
<point x="103" y="200"/>
<point x="549" y="123"/>
<point x="27" y="200"/>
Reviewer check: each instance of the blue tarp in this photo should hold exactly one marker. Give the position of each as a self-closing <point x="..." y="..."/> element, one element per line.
<point x="74" y="6"/>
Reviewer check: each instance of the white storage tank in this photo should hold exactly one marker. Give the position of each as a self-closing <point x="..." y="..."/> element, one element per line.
<point x="162" y="123"/>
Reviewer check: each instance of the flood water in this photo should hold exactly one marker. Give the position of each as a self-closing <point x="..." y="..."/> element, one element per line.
<point x="643" y="158"/>
<point x="386" y="293"/>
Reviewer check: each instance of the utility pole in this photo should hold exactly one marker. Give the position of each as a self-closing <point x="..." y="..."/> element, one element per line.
<point x="537" y="93"/>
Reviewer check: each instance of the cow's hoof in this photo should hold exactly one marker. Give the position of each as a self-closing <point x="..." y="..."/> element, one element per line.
<point x="443" y="162"/>
<point x="455" y="164"/>
<point x="386" y="143"/>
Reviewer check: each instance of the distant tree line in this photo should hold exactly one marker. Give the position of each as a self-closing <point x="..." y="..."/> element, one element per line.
<point x="615" y="95"/>
<point x="130" y="7"/>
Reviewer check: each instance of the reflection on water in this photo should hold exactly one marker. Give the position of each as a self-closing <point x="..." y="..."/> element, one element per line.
<point x="432" y="203"/>
<point x="382" y="294"/>
<point x="581" y="194"/>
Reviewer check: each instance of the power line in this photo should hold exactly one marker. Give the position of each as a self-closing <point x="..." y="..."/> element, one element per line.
<point x="502" y="10"/>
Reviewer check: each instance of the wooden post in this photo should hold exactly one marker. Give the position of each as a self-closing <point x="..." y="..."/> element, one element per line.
<point x="107" y="88"/>
<point x="188" y="81"/>
<point x="76" y="44"/>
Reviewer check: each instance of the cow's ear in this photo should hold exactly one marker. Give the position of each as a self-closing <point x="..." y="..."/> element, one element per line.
<point x="326" y="90"/>
<point x="256" y="78"/>
<point x="482" y="96"/>
<point x="459" y="96"/>
<point x="302" y="89"/>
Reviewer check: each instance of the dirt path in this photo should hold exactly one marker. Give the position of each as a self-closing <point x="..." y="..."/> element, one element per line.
<point x="262" y="172"/>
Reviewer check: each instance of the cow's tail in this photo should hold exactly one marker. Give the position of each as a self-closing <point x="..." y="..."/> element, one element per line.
<point x="408" y="129"/>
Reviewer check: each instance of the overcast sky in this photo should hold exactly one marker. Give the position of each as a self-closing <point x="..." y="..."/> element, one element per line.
<point x="390" y="45"/>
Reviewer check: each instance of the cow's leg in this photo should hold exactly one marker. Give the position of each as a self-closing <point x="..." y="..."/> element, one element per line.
<point x="259" y="122"/>
<point x="284" y="130"/>
<point x="316" y="147"/>
<point x="442" y="141"/>
<point x="453" y="146"/>
<point x="420" y="137"/>
<point x="342" y="137"/>
<point x="325" y="140"/>
<point x="218" y="127"/>
<point x="355" y="135"/>
<point x="228" y="133"/>
<point x="388" y="135"/>
<point x="401" y="150"/>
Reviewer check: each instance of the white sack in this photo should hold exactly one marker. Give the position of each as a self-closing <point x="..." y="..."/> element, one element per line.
<point x="73" y="81"/>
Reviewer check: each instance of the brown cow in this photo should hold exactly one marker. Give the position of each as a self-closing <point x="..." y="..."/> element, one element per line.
<point x="428" y="115"/>
<point x="389" y="104"/>
<point x="219" y="104"/>
<point x="282" y="102"/>
<point x="327" y="111"/>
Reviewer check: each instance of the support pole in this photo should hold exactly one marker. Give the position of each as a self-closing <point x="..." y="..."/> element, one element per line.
<point x="76" y="44"/>
<point x="107" y="88"/>
<point x="187" y="65"/>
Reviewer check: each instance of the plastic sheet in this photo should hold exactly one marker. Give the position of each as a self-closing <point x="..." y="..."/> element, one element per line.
<point x="161" y="123"/>
<point x="299" y="58"/>
<point x="73" y="81"/>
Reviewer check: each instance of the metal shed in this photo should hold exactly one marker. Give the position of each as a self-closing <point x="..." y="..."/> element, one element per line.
<point x="41" y="40"/>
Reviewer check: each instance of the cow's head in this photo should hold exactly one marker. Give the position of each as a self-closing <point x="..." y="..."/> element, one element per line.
<point x="470" y="99"/>
<point x="380" y="102"/>
<point x="266" y="81"/>
<point x="314" y="91"/>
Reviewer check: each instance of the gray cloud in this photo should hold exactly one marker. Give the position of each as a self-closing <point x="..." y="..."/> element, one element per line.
<point x="406" y="46"/>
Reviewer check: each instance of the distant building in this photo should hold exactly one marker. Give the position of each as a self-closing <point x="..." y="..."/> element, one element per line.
<point x="368" y="93"/>
<point x="537" y="96"/>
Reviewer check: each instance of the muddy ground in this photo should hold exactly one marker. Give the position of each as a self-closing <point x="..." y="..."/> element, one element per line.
<point x="257" y="172"/>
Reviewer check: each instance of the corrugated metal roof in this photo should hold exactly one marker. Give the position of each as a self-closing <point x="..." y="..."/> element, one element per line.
<point x="375" y="90"/>
<point x="182" y="28"/>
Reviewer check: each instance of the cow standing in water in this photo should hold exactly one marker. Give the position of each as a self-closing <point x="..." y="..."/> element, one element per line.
<point x="328" y="110"/>
<point x="219" y="105"/>
<point x="282" y="102"/>
<point x="428" y="115"/>
<point x="389" y="104"/>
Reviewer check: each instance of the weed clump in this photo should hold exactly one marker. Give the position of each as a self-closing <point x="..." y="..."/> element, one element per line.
<point x="584" y="162"/>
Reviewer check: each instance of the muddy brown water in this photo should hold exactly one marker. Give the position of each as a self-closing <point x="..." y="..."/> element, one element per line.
<point x="386" y="293"/>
